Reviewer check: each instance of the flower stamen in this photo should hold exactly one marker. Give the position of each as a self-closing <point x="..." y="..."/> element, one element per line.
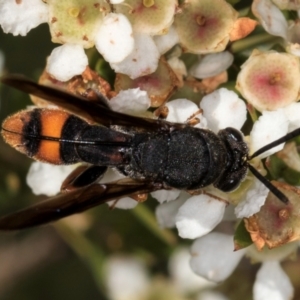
<point x="148" y="3"/>
<point x="275" y="78"/>
<point x="201" y="20"/>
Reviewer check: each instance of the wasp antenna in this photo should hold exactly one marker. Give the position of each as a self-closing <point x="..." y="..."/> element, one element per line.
<point x="283" y="139"/>
<point x="269" y="185"/>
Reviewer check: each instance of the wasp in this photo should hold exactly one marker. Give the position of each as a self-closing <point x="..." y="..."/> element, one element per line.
<point x="154" y="154"/>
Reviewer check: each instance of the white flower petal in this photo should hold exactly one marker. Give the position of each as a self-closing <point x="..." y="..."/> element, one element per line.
<point x="211" y="64"/>
<point x="213" y="256"/>
<point x="271" y="126"/>
<point x="211" y="295"/>
<point x="178" y="66"/>
<point x="271" y="18"/>
<point x="275" y="254"/>
<point x="185" y="280"/>
<point x="67" y="61"/>
<point x="138" y="64"/>
<point x="293" y="49"/>
<point x="166" y="213"/>
<point x="114" y="38"/>
<point x="223" y="108"/>
<point x="126" y="278"/>
<point x="292" y="113"/>
<point x="116" y="1"/>
<point x="165" y="195"/>
<point x="272" y="283"/>
<point x="131" y="101"/>
<point x="198" y="216"/>
<point x="123" y="203"/>
<point x="166" y="41"/>
<point x="180" y="110"/>
<point x="46" y="179"/>
<point x="19" y="17"/>
<point x="111" y="175"/>
<point x="254" y="200"/>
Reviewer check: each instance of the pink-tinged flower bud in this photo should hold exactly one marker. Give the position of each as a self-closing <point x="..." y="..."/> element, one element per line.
<point x="270" y="80"/>
<point x="204" y="26"/>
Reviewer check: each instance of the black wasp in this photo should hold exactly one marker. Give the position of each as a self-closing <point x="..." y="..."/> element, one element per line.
<point x="153" y="154"/>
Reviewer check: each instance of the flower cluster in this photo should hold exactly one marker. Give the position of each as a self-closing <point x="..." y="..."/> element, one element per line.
<point x="161" y="50"/>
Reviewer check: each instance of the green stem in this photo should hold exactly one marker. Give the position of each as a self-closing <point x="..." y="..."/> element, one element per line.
<point x="252" y="41"/>
<point x="252" y="113"/>
<point x="148" y="219"/>
<point x="89" y="253"/>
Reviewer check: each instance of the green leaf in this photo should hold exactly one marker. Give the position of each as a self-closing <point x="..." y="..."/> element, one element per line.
<point x="242" y="238"/>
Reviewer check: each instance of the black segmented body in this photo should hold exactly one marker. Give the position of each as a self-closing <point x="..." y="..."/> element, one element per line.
<point x="188" y="158"/>
<point x="154" y="153"/>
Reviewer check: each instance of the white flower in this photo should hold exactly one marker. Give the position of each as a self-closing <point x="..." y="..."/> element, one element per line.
<point x="223" y="108"/>
<point x="126" y="278"/>
<point x="199" y="215"/>
<point x="254" y="199"/>
<point x="46" y="179"/>
<point x="165" y="195"/>
<point x="211" y="295"/>
<point x="271" y="18"/>
<point x="166" y="212"/>
<point x="166" y="41"/>
<point x="19" y="17"/>
<point x="272" y="283"/>
<point x="112" y="175"/>
<point x="181" y="110"/>
<point x="178" y="66"/>
<point x="271" y="126"/>
<point x="274" y="22"/>
<point x="66" y="61"/>
<point x="110" y="32"/>
<point x="184" y="279"/>
<point x="131" y="101"/>
<point x="116" y="1"/>
<point x="292" y="112"/>
<point x="138" y="64"/>
<point x="114" y="38"/>
<point x="211" y="64"/>
<point x="213" y="256"/>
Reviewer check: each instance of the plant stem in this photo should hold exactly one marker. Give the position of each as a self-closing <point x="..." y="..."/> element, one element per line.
<point x="148" y="219"/>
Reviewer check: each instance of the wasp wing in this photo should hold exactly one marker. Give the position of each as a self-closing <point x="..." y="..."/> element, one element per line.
<point x="80" y="106"/>
<point x="73" y="202"/>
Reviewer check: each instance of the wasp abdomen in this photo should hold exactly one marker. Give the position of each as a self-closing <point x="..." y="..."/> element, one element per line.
<point x="57" y="137"/>
<point x="102" y="146"/>
<point x="35" y="133"/>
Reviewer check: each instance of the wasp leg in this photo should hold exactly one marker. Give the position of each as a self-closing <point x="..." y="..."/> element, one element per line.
<point x="82" y="176"/>
<point x="137" y="197"/>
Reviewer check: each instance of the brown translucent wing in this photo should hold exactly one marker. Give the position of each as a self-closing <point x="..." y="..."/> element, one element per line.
<point x="71" y="203"/>
<point x="98" y="112"/>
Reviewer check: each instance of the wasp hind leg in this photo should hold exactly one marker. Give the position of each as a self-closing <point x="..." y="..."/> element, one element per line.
<point x="82" y="176"/>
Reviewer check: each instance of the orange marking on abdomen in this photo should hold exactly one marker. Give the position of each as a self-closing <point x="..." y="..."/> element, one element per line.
<point x="52" y="125"/>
